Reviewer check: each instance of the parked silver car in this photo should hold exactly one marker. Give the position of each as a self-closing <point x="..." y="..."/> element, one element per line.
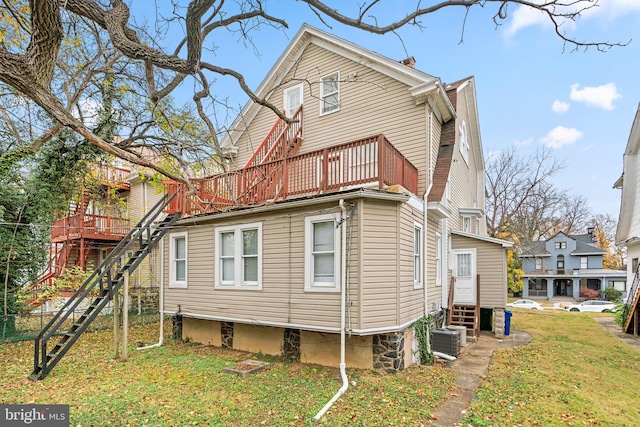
<point x="596" y="306"/>
<point x="525" y="303"/>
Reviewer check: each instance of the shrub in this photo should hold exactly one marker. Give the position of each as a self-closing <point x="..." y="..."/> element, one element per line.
<point x="612" y="294"/>
<point x="589" y="293"/>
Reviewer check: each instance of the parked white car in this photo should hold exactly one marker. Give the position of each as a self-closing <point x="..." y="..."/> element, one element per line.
<point x="596" y="306"/>
<point x="526" y="303"/>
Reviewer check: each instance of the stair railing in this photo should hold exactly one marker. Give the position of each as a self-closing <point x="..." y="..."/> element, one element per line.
<point x="55" y="324"/>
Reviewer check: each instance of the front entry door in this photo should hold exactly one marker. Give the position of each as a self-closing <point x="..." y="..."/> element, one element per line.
<point x="465" y="273"/>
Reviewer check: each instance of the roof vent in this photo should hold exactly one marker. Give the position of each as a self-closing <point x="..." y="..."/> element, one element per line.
<point x="409" y="62"/>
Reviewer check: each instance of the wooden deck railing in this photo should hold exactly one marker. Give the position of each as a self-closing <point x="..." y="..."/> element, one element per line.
<point x="273" y="147"/>
<point x="111" y="175"/>
<point x="89" y="225"/>
<point x="369" y="160"/>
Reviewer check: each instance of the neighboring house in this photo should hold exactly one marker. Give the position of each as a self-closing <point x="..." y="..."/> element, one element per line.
<point x="375" y="189"/>
<point x="628" y="232"/>
<point x="110" y="201"/>
<point x="564" y="265"/>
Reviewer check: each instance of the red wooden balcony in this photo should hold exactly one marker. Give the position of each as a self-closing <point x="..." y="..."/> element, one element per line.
<point x="368" y="161"/>
<point x="111" y="175"/>
<point x="87" y="226"/>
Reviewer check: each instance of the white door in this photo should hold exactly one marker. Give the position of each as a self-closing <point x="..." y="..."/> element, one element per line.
<point x="464" y="271"/>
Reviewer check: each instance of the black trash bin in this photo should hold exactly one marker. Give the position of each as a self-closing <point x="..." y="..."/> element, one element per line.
<point x="507" y="322"/>
<point x="486" y="316"/>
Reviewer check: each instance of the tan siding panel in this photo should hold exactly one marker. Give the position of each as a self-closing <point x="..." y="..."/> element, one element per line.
<point x="492" y="268"/>
<point x="282" y="298"/>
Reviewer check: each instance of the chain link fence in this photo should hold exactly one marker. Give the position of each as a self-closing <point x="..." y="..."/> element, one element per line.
<point x="26" y="327"/>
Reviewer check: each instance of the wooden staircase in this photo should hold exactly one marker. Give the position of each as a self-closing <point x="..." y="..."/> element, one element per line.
<point x="631" y="313"/>
<point x="98" y="290"/>
<point x="467" y="315"/>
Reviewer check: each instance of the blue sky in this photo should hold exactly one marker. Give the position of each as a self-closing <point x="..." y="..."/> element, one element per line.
<point x="532" y="91"/>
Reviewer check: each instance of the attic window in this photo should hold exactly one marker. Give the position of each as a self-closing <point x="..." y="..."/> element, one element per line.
<point x="330" y="93"/>
<point x="561" y="245"/>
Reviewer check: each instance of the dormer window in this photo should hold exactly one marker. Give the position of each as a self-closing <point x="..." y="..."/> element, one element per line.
<point x="561" y="245"/>
<point x="330" y="93"/>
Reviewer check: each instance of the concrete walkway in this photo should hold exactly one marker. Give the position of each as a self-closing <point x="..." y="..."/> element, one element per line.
<point x="471" y="365"/>
<point x="614" y="329"/>
<point x="474" y="361"/>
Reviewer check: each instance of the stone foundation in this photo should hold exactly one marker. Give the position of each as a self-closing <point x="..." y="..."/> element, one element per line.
<point x="389" y="352"/>
<point x="226" y="333"/>
<point x="498" y="322"/>
<point x="291" y="346"/>
<point x="176" y="322"/>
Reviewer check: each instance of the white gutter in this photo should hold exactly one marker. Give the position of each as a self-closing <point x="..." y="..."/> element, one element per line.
<point x="343" y="295"/>
<point x="161" y="297"/>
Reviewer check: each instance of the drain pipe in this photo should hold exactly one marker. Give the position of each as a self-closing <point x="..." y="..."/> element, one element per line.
<point x="343" y="295"/>
<point x="161" y="297"/>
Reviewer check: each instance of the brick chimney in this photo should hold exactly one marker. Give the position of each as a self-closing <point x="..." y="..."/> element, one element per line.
<point x="409" y="62"/>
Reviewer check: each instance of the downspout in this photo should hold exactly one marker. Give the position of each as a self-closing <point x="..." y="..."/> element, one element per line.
<point x="343" y="295"/>
<point x="161" y="296"/>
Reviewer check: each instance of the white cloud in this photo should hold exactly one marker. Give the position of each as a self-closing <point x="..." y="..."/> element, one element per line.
<point x="612" y="9"/>
<point x="560" y="136"/>
<point x="560" y="107"/>
<point x="606" y="10"/>
<point x="523" y="142"/>
<point x="598" y="96"/>
<point x="524" y="17"/>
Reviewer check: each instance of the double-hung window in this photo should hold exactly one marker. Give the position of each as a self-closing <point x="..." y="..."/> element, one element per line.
<point x="322" y="254"/>
<point x="239" y="256"/>
<point x="584" y="262"/>
<point x="417" y="255"/>
<point x="178" y="260"/>
<point x="330" y="93"/>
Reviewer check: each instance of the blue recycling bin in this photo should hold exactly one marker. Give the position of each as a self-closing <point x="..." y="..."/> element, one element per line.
<point x="507" y="322"/>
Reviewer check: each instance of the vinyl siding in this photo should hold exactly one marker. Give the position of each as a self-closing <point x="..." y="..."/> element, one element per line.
<point x="492" y="268"/>
<point x="411" y="300"/>
<point x="282" y="298"/>
<point x="370" y="103"/>
<point x="434" y="292"/>
<point x="464" y="178"/>
<point x="382" y="264"/>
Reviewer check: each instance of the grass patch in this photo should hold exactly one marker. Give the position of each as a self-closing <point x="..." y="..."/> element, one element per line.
<point x="572" y="373"/>
<point x="182" y="384"/>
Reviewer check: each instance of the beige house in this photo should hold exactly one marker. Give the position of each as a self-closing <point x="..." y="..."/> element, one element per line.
<point x="628" y="232"/>
<point x="349" y="219"/>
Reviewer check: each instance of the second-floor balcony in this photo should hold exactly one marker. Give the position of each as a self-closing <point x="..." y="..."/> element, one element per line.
<point x="370" y="161"/>
<point x="89" y="226"/>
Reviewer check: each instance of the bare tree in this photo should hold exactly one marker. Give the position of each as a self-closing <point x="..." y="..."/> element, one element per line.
<point x="523" y="204"/>
<point x="32" y="65"/>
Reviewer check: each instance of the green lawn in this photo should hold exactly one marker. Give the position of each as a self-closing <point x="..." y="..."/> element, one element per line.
<point x="572" y="373"/>
<point x="182" y="384"/>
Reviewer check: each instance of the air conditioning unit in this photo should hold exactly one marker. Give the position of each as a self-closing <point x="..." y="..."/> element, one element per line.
<point x="446" y="341"/>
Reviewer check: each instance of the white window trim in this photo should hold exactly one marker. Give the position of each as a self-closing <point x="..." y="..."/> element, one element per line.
<point x="586" y="262"/>
<point x="323" y="95"/>
<point x="238" y="283"/>
<point x="417" y="284"/>
<point x="285" y="92"/>
<point x="464" y="142"/>
<point x="172" y="269"/>
<point x="466" y="224"/>
<point x="309" y="284"/>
